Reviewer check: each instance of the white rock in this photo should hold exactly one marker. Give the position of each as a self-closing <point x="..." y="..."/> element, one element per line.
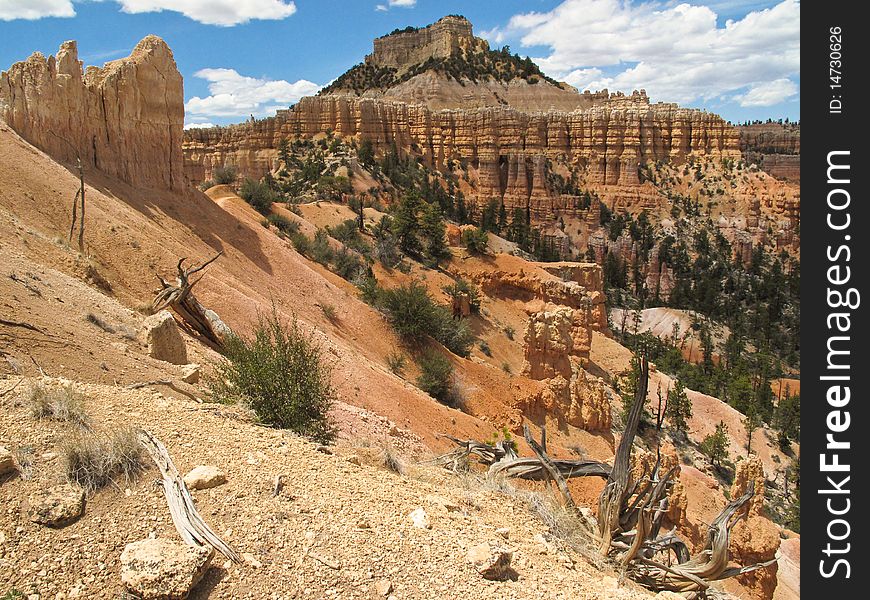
<point x="419" y="518"/>
<point x="383" y="587"/>
<point x="163" y="569"/>
<point x="204" y="477"/>
<point x="491" y="561"/>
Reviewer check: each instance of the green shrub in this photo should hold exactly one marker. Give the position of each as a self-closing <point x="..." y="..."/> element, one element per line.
<point x="436" y="374"/>
<point x="484" y="347"/>
<point x="329" y="312"/>
<point x="281" y="373"/>
<point x="509" y="331"/>
<point x="347" y="265"/>
<point x="396" y="361"/>
<point x="227" y="175"/>
<point x="208" y="183"/>
<point x="300" y="242"/>
<point x="259" y="195"/>
<point x="415" y="316"/>
<point x="283" y="224"/>
<point x="320" y="250"/>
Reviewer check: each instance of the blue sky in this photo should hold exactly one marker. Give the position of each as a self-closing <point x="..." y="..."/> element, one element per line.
<point x="739" y="58"/>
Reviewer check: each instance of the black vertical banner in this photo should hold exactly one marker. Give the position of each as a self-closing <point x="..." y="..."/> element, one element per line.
<point x="835" y="362"/>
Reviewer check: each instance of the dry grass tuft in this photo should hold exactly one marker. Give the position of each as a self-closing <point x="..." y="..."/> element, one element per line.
<point x="99" y="322"/>
<point x="93" y="461"/>
<point x="58" y="404"/>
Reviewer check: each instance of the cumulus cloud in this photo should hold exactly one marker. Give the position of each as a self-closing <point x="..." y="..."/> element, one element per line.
<point x="235" y="95"/>
<point x="215" y="12"/>
<point x="203" y="125"/>
<point x="677" y="52"/>
<point x="35" y="9"/>
<point x="768" y="94"/>
<point x="400" y="3"/>
<point x="209" y="12"/>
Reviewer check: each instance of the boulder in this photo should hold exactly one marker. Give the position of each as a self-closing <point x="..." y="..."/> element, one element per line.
<point x="7" y="464"/>
<point x="164" y="339"/>
<point x="57" y="506"/>
<point x="161" y="569"/>
<point x="204" y="477"/>
<point x="491" y="561"/>
<point x="191" y="373"/>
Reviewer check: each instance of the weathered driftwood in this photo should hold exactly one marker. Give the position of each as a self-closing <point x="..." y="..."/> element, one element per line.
<point x="189" y="524"/>
<point x="180" y="298"/>
<point x="630" y="512"/>
<point x="503" y="460"/>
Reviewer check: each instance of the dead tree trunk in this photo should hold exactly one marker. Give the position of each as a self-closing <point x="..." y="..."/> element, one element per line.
<point x="79" y="213"/>
<point x="189" y="524"/>
<point x="181" y="299"/>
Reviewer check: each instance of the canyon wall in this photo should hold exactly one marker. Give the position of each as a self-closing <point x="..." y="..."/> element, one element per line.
<point x="775" y="147"/>
<point x="125" y="119"/>
<point x="509" y="149"/>
<point x="442" y="39"/>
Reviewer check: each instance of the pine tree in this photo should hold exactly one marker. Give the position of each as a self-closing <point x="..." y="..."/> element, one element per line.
<point x="284" y="151"/>
<point x="502" y="219"/>
<point x="715" y="445"/>
<point x="679" y="407"/>
<point x="433" y="231"/>
<point x="405" y="224"/>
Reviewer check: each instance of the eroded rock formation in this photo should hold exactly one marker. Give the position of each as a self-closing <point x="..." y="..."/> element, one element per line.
<point x="125" y="119"/>
<point x="509" y="150"/>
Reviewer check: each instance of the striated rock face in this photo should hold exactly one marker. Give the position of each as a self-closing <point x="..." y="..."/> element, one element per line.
<point x="125" y="119"/>
<point x="508" y="149"/>
<point x="549" y="343"/>
<point x="551" y="354"/>
<point x="442" y="39"/>
<point x="750" y="470"/>
<point x="775" y="147"/>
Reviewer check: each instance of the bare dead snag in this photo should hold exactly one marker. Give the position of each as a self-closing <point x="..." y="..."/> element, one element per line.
<point x="189" y="524"/>
<point x="615" y="493"/>
<point x="180" y="298"/>
<point x="547" y="463"/>
<point x="76" y="212"/>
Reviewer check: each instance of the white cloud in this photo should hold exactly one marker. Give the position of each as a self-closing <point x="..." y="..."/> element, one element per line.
<point x="675" y="51"/>
<point x="205" y="125"/>
<point x="209" y="12"/>
<point x="400" y="3"/>
<point x="234" y="95"/>
<point x="35" y="9"/>
<point x="768" y="94"/>
<point x="215" y="12"/>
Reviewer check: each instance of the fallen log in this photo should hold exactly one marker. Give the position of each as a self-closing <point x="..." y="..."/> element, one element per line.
<point x="189" y="524"/>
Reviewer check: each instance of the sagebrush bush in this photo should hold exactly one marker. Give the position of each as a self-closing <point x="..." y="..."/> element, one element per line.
<point x="436" y="375"/>
<point x="225" y="175"/>
<point x="93" y="461"/>
<point x="58" y="404"/>
<point x="281" y="374"/>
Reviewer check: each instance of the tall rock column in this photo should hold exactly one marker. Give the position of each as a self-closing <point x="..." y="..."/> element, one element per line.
<point x="125" y="119"/>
